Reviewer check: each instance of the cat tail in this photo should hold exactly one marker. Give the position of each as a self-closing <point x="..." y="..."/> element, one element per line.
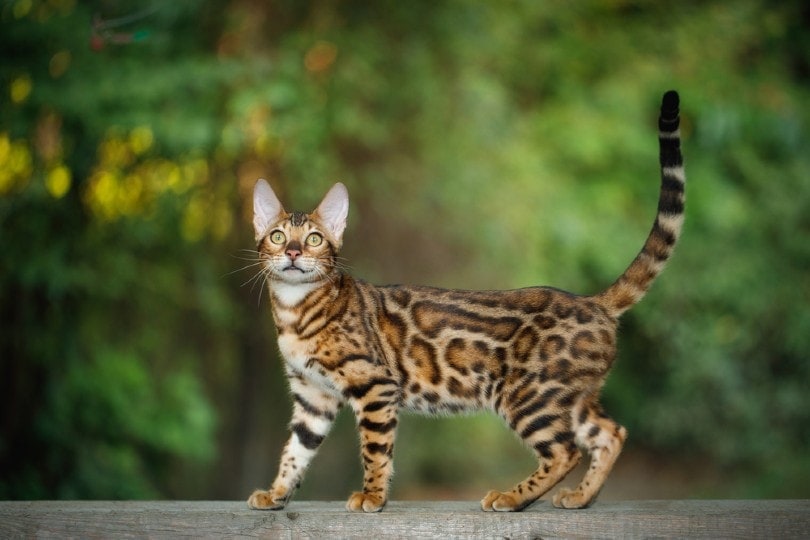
<point x="634" y="282"/>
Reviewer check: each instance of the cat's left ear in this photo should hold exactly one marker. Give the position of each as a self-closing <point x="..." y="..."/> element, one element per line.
<point x="334" y="209"/>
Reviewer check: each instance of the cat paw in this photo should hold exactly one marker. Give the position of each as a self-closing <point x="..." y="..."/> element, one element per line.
<point x="495" y="501"/>
<point x="365" y="502"/>
<point x="570" y="498"/>
<point x="267" y="500"/>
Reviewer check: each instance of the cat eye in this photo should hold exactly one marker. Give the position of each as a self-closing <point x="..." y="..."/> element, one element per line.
<point x="314" y="240"/>
<point x="277" y="237"/>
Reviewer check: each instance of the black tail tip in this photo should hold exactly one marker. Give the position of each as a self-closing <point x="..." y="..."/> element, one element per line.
<point x="670" y="104"/>
<point x="670" y="108"/>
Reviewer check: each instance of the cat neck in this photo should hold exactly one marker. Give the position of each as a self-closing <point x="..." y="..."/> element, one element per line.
<point x="291" y="295"/>
<point x="300" y="307"/>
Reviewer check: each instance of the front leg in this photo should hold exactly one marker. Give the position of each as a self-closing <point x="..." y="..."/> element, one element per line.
<point x="376" y="414"/>
<point x="314" y="412"/>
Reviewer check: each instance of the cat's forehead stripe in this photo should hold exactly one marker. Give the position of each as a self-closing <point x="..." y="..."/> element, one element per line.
<point x="298" y="218"/>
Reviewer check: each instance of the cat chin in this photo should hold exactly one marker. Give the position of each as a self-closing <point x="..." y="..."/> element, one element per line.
<point x="288" y="278"/>
<point x="296" y="276"/>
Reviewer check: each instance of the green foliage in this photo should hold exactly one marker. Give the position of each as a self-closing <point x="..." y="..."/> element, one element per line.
<point x="485" y="145"/>
<point x="102" y="393"/>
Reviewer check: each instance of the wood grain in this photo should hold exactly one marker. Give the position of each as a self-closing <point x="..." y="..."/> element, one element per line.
<point x="211" y="519"/>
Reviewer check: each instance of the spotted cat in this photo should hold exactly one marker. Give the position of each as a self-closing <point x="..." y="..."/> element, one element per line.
<point x="537" y="357"/>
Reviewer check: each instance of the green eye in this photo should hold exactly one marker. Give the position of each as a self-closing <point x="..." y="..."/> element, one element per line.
<point x="314" y="240"/>
<point x="277" y="237"/>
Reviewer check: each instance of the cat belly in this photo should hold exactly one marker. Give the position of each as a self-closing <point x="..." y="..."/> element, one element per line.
<point x="436" y="402"/>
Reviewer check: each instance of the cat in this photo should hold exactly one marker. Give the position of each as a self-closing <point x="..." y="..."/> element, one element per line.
<point x="538" y="356"/>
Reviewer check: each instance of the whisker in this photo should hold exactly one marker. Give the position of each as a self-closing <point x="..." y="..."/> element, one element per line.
<point x="323" y="275"/>
<point x="243" y="268"/>
<point x="260" y="278"/>
<point x="254" y="259"/>
<point x="254" y="279"/>
<point x="264" y="275"/>
<point x="240" y="252"/>
<point x="336" y="262"/>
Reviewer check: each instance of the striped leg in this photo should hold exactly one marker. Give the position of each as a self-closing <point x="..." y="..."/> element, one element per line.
<point x="313" y="414"/>
<point x="548" y="474"/>
<point x="548" y="432"/>
<point x="377" y="421"/>
<point x="603" y="439"/>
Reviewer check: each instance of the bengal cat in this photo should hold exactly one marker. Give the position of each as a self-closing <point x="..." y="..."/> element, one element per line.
<point x="537" y="356"/>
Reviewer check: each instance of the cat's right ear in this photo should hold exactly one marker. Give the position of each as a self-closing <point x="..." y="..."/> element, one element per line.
<point x="266" y="208"/>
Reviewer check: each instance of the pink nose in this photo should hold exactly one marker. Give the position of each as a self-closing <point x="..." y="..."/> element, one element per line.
<point x="293" y="254"/>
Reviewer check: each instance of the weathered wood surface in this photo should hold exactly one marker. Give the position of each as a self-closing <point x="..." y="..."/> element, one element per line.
<point x="209" y="519"/>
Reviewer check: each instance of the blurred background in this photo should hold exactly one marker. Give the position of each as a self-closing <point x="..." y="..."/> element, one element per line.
<point x="484" y="145"/>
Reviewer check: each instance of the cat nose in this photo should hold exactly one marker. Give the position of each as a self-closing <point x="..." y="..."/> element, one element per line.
<point x="293" y="254"/>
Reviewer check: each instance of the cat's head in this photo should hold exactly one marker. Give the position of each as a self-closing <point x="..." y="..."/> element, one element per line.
<point x="299" y="247"/>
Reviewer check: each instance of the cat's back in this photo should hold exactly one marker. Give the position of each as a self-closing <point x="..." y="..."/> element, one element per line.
<point x="502" y="312"/>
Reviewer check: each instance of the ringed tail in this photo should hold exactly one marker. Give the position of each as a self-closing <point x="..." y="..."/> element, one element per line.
<point x="634" y="282"/>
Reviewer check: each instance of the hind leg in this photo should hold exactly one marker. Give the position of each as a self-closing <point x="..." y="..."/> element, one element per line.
<point x="603" y="439"/>
<point x="547" y="475"/>
<point x="552" y="439"/>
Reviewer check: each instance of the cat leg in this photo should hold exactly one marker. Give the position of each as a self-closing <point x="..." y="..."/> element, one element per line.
<point x="549" y="434"/>
<point x="376" y="421"/>
<point x="558" y="461"/>
<point x="603" y="439"/>
<point x="314" y="411"/>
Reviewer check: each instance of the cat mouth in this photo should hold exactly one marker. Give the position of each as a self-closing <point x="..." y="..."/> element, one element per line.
<point x="292" y="268"/>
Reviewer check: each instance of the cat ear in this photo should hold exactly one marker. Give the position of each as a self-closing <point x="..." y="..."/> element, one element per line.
<point x="334" y="209"/>
<point x="266" y="208"/>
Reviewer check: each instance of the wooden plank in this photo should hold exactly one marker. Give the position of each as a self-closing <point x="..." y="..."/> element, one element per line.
<point x="210" y="519"/>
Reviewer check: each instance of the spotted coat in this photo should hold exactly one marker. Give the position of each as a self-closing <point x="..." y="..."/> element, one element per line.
<point x="537" y="357"/>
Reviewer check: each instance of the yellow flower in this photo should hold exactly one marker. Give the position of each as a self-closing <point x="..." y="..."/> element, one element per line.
<point x="20" y="89"/>
<point x="58" y="181"/>
<point x="140" y="140"/>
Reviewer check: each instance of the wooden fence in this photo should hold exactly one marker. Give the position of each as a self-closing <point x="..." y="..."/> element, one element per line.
<point x="209" y="519"/>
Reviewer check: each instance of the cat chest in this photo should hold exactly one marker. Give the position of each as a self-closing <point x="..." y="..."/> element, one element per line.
<point x="298" y="355"/>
